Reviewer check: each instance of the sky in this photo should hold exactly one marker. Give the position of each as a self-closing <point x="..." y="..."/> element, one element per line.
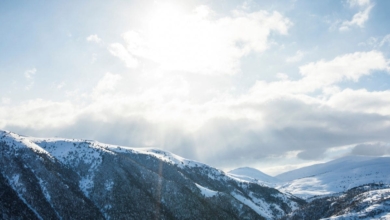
<point x="273" y="85"/>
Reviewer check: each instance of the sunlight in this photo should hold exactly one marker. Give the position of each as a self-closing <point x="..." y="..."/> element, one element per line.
<point x="185" y="41"/>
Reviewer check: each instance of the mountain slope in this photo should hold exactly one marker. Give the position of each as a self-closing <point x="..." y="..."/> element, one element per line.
<point x="371" y="201"/>
<point x="336" y="176"/>
<point x="253" y="175"/>
<point x="78" y="179"/>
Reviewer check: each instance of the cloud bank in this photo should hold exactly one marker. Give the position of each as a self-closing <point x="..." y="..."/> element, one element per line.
<point x="273" y="119"/>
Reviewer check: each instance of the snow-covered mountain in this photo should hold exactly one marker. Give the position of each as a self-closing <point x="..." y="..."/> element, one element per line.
<point x="46" y="178"/>
<point x="254" y="175"/>
<point x="370" y="201"/>
<point x="53" y="178"/>
<point x="336" y="176"/>
<point x="353" y="187"/>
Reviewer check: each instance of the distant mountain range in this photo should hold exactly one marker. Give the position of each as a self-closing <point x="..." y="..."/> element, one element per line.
<point x="336" y="176"/>
<point x="353" y="187"/>
<point x="53" y="178"/>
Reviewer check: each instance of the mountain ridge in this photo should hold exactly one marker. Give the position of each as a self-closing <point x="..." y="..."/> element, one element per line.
<point x="253" y="175"/>
<point x="335" y="176"/>
<point x="63" y="178"/>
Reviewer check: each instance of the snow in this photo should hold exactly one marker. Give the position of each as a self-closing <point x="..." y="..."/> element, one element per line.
<point x="378" y="205"/>
<point x="306" y="187"/>
<point x="86" y="183"/>
<point x="77" y="152"/>
<point x="47" y="195"/>
<point x="206" y="192"/>
<point x="63" y="147"/>
<point x="375" y="195"/>
<point x="19" y="142"/>
<point x="253" y="175"/>
<point x="261" y="209"/>
<point x="335" y="176"/>
<point x="44" y="190"/>
<point x="18" y="187"/>
<point x="14" y="181"/>
<point x="72" y="152"/>
<point x="88" y="155"/>
<point x="321" y="179"/>
<point x="169" y="157"/>
<point x="108" y="185"/>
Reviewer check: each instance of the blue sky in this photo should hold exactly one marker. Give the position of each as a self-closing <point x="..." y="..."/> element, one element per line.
<point x="270" y="84"/>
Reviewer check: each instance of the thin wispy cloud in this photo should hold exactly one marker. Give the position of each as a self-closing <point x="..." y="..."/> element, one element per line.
<point x="296" y="58"/>
<point x="361" y="17"/>
<point x="29" y="75"/>
<point x="94" y="38"/>
<point x="118" y="50"/>
<point x="385" y="41"/>
<point x="60" y="85"/>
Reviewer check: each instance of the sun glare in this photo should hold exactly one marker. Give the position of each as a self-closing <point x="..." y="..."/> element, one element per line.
<point x="181" y="40"/>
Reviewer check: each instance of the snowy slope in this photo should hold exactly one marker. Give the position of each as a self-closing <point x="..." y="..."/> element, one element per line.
<point x="253" y="175"/>
<point x="374" y="204"/>
<point x="370" y="201"/>
<point x="336" y="176"/>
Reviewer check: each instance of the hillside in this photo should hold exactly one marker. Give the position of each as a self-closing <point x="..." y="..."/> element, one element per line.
<point x="335" y="176"/>
<point x="50" y="178"/>
<point x="370" y="201"/>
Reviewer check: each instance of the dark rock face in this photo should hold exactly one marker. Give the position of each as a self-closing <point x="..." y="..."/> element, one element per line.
<point x="76" y="179"/>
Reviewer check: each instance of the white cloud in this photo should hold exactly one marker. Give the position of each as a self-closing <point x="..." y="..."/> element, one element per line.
<point x="322" y="74"/>
<point x="29" y="86"/>
<point x="5" y="100"/>
<point x="199" y="115"/>
<point x="38" y="114"/>
<point x="376" y="42"/>
<point x="296" y="58"/>
<point x="198" y="43"/>
<point x="274" y="118"/>
<point x="94" y="58"/>
<point x="330" y="90"/>
<point x="282" y="76"/>
<point x="360" y="18"/>
<point x="93" y="38"/>
<point x="106" y="84"/>
<point x="353" y="3"/>
<point x="385" y="40"/>
<point x="346" y="67"/>
<point x="30" y="73"/>
<point x="60" y="85"/>
<point x="120" y="51"/>
<point x="361" y="101"/>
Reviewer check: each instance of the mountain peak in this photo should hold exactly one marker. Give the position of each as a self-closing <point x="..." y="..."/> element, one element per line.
<point x="252" y="174"/>
<point x="336" y="175"/>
